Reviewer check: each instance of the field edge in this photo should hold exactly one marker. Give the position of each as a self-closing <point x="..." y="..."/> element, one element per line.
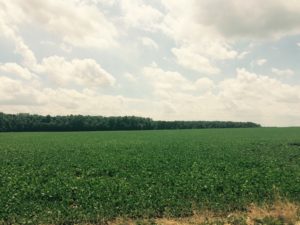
<point x="281" y="212"/>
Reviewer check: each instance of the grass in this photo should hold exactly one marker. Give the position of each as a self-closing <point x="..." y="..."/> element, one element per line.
<point x="279" y="213"/>
<point x="95" y="177"/>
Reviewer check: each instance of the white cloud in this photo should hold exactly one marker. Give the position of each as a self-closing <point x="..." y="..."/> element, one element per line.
<point x="215" y="49"/>
<point x="28" y="57"/>
<point x="298" y="44"/>
<point x="78" y="24"/>
<point x="204" y="84"/>
<point x="236" y="99"/>
<point x="82" y="72"/>
<point x="101" y="2"/>
<point x="279" y="17"/>
<point x="283" y="73"/>
<point x="166" y="80"/>
<point x="175" y="98"/>
<point x="148" y="42"/>
<point x="138" y="14"/>
<point x="130" y="77"/>
<point x="170" y="83"/>
<point x="66" y="48"/>
<point x="23" y="97"/>
<point x="260" y="98"/>
<point x="10" y="16"/>
<point x="261" y="62"/>
<point x="201" y="44"/>
<point x="18" y="93"/>
<point x="191" y="60"/>
<point x="15" y="69"/>
<point x="202" y="35"/>
<point x="242" y="55"/>
<point x="211" y="28"/>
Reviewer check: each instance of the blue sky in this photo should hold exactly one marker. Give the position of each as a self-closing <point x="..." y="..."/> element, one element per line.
<point x="164" y="59"/>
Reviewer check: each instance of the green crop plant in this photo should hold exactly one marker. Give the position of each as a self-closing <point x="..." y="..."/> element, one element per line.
<point x="93" y="177"/>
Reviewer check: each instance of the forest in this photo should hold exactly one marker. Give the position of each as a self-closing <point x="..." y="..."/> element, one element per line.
<point x="30" y="122"/>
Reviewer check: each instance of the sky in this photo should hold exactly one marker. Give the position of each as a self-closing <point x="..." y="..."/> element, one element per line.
<point x="229" y="60"/>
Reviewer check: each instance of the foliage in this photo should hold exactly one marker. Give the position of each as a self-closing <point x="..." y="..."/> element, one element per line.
<point x="92" y="177"/>
<point x="27" y="122"/>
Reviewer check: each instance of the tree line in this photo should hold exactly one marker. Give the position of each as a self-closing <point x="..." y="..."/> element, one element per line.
<point x="30" y="122"/>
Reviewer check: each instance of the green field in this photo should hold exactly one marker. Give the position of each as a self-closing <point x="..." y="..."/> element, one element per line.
<point x="89" y="177"/>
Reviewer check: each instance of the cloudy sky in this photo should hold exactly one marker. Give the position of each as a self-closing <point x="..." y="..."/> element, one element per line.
<point x="165" y="59"/>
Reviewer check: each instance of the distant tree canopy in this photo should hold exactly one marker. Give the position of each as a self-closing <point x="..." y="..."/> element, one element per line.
<point x="28" y="122"/>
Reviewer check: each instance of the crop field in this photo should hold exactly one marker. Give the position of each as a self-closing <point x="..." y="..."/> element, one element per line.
<point x="94" y="177"/>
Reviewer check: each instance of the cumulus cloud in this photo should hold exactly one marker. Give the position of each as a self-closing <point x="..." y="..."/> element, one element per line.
<point x="204" y="84"/>
<point x="74" y="22"/>
<point x="242" y="97"/>
<point x="15" y="92"/>
<point x="24" y="97"/>
<point x="201" y="44"/>
<point x="242" y="55"/>
<point x="210" y="28"/>
<point x="175" y="98"/>
<point x="261" y="62"/>
<point x="170" y="85"/>
<point x="201" y="35"/>
<point x="15" y="69"/>
<point x="283" y="73"/>
<point x="267" y="18"/>
<point x="166" y="81"/>
<point x="10" y="17"/>
<point x="141" y="15"/>
<point x="148" y="42"/>
<point x="101" y="2"/>
<point x="7" y="31"/>
<point x="238" y="98"/>
<point x="130" y="77"/>
<point x="82" y="72"/>
<point x="191" y="60"/>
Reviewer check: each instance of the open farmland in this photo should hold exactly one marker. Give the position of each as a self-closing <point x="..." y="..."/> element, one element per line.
<point x="93" y="177"/>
